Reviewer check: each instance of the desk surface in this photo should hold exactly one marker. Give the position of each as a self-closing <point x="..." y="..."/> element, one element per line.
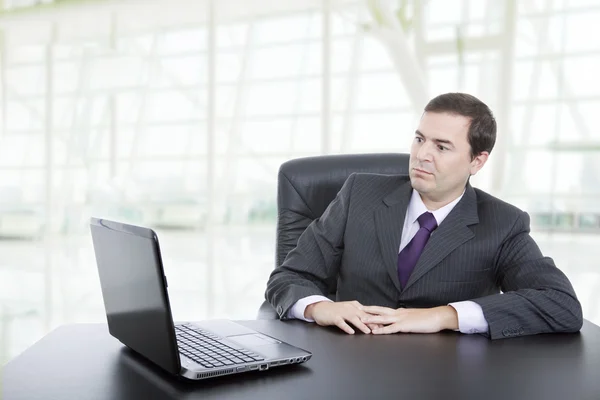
<point x="85" y="362"/>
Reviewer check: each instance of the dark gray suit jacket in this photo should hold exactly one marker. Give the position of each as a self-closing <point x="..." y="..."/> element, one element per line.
<point x="481" y="249"/>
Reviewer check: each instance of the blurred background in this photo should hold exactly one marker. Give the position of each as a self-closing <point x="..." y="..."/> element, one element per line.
<point x="177" y="114"/>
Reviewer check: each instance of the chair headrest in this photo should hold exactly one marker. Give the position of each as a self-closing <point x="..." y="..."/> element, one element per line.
<point x="306" y="186"/>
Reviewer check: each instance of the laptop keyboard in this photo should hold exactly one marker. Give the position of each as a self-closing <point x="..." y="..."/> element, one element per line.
<point x="205" y="348"/>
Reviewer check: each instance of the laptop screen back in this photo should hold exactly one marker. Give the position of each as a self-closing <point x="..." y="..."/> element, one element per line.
<point x="134" y="290"/>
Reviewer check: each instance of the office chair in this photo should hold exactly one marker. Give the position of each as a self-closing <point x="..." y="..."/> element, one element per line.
<point x="306" y="186"/>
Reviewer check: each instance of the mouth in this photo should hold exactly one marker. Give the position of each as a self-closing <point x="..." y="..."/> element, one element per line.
<point x="422" y="171"/>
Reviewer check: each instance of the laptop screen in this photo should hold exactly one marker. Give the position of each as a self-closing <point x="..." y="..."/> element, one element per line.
<point x="134" y="290"/>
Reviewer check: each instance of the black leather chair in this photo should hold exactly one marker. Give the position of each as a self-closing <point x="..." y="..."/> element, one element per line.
<point x="306" y="186"/>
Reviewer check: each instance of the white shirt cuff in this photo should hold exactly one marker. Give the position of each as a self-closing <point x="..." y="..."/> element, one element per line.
<point x="470" y="317"/>
<point x="297" y="310"/>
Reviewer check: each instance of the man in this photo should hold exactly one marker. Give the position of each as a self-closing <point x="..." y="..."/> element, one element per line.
<point x="427" y="252"/>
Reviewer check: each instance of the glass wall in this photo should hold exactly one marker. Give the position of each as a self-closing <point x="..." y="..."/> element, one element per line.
<point x="177" y="115"/>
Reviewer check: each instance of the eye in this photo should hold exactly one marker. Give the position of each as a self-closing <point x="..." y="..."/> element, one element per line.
<point x="442" y="148"/>
<point x="418" y="139"/>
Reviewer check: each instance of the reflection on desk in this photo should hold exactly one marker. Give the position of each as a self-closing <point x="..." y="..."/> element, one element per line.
<point x="84" y="361"/>
<point x="134" y="370"/>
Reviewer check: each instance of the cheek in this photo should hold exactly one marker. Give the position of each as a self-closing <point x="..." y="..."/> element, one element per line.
<point x="413" y="149"/>
<point x="451" y="170"/>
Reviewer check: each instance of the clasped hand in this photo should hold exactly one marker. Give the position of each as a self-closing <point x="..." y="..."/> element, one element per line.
<point x="382" y="320"/>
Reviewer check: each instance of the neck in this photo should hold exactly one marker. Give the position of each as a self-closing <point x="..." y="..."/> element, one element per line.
<point x="434" y="204"/>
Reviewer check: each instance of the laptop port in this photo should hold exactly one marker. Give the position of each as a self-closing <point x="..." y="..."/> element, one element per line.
<point x="263" y="367"/>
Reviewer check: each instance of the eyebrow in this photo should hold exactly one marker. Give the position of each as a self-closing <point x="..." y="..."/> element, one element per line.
<point x="442" y="141"/>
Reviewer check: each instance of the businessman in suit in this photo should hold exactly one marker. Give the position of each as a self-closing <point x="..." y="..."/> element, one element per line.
<point x="427" y="252"/>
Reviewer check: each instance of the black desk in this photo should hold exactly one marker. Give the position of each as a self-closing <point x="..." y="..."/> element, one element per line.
<point x="84" y="362"/>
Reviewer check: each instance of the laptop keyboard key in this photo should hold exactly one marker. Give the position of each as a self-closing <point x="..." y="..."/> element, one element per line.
<point x="207" y="349"/>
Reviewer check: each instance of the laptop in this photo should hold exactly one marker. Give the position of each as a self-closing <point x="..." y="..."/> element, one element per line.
<point x="134" y="289"/>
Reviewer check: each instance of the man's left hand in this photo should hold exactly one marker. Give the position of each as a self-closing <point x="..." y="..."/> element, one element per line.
<point x="411" y="320"/>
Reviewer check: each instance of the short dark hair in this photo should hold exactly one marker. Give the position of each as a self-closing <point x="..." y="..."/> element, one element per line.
<point x="482" y="129"/>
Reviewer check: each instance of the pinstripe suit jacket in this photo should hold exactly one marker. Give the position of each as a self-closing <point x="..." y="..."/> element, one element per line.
<point x="482" y="252"/>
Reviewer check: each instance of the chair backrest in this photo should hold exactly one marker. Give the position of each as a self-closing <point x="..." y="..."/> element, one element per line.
<point x="306" y="186"/>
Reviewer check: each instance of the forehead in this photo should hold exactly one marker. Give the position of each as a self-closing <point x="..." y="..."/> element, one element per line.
<point x="444" y="126"/>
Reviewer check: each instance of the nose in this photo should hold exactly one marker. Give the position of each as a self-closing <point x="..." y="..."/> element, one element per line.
<point x="424" y="152"/>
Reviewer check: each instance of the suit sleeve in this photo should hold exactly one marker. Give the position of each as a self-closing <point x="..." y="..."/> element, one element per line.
<point x="537" y="297"/>
<point x="311" y="268"/>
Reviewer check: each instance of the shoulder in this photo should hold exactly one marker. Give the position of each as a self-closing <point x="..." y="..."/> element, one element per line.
<point x="491" y="207"/>
<point x="362" y="179"/>
<point x="370" y="189"/>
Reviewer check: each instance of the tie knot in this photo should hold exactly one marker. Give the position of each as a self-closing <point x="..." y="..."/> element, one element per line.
<point x="427" y="221"/>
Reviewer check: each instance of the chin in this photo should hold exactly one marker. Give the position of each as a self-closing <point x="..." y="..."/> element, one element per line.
<point x="419" y="185"/>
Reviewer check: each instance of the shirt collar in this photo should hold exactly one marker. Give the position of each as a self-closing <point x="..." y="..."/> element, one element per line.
<point x="416" y="207"/>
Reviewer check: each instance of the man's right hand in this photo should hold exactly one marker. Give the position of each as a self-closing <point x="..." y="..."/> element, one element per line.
<point x="327" y="313"/>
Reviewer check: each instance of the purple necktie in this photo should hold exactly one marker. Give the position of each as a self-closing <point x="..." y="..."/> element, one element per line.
<point x="408" y="257"/>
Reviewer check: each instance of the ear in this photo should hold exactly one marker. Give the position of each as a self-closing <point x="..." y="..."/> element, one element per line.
<point x="478" y="162"/>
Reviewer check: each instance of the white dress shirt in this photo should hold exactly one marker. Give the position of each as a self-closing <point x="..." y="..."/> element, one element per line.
<point x="470" y="314"/>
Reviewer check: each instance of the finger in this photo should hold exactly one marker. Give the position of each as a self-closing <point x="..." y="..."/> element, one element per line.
<point x="359" y="324"/>
<point x="374" y="326"/>
<point x="357" y="304"/>
<point x="393" y="328"/>
<point x="378" y="310"/>
<point x="364" y="316"/>
<point x="380" y="319"/>
<point x="340" y="323"/>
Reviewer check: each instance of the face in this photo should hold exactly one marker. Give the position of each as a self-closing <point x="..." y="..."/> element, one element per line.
<point x="440" y="157"/>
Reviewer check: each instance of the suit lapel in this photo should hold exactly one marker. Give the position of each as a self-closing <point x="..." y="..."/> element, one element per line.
<point x="389" y="220"/>
<point x="452" y="232"/>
